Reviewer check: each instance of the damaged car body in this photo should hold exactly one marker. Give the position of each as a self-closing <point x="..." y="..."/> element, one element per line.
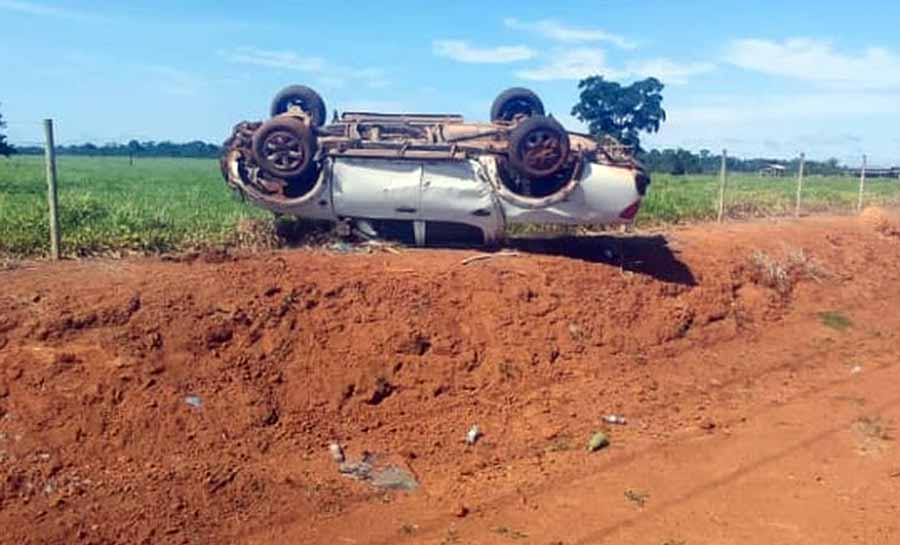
<point x="431" y="173"/>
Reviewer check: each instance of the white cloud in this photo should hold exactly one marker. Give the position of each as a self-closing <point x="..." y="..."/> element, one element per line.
<point x="173" y="81"/>
<point x="327" y="73"/>
<point x="560" y="32"/>
<point x="668" y="71"/>
<point x="817" y="61"/>
<point x="579" y="63"/>
<point x="461" y="51"/>
<point x="41" y="10"/>
<point x="571" y="64"/>
<point x="287" y="60"/>
<point x="837" y="123"/>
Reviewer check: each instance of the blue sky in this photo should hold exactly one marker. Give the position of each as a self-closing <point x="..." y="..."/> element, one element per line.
<point x="759" y="78"/>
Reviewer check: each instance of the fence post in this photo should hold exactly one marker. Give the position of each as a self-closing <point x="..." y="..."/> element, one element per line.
<point x="52" y="198"/>
<point x="722" y="174"/>
<point x="862" y="184"/>
<point x="799" y="184"/>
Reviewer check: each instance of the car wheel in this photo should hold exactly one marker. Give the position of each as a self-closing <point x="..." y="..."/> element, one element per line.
<point x="308" y="100"/>
<point x="514" y="102"/>
<point x="538" y="147"/>
<point x="284" y="147"/>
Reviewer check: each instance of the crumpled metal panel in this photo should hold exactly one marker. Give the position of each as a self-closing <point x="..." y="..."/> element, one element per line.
<point x="376" y="188"/>
<point x="600" y="196"/>
<point x="458" y="191"/>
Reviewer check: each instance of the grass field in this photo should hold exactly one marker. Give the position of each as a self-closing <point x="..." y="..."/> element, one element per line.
<point x="157" y="205"/>
<point x="162" y="205"/>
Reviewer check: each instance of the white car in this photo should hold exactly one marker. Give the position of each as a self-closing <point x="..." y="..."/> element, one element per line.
<point x="435" y="178"/>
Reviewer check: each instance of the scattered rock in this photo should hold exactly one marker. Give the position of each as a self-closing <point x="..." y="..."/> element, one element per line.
<point x="598" y="441"/>
<point x="460" y="511"/>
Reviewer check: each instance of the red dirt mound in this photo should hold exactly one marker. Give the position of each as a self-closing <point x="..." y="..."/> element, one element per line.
<point x="157" y="401"/>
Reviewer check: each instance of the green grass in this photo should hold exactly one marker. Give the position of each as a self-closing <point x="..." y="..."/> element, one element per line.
<point x="835" y="319"/>
<point x="672" y="199"/>
<point x="157" y="205"/>
<point x="164" y="205"/>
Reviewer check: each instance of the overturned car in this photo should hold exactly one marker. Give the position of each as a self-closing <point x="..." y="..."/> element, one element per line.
<point x="430" y="175"/>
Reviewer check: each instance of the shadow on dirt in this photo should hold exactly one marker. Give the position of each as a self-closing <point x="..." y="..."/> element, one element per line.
<point x="647" y="255"/>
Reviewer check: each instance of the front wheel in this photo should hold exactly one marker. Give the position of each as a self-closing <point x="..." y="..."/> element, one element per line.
<point x="285" y="147"/>
<point x="538" y="147"/>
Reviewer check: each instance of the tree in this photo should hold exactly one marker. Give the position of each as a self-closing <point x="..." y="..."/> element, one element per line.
<point x="610" y="109"/>
<point x="5" y="149"/>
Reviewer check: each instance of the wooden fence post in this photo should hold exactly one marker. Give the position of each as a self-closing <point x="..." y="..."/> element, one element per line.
<point x="799" y="184"/>
<point x="52" y="198"/>
<point x="862" y="184"/>
<point x="722" y="174"/>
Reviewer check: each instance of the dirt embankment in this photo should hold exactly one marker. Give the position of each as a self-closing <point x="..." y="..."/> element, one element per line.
<point x="192" y="401"/>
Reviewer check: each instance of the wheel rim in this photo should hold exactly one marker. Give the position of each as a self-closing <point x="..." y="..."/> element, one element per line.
<point x="284" y="150"/>
<point x="541" y="150"/>
<point x="517" y="107"/>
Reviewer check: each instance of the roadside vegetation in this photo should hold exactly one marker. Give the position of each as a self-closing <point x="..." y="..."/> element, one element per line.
<point x="163" y="205"/>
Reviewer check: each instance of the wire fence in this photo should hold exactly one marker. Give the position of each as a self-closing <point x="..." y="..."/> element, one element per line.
<point x="673" y="199"/>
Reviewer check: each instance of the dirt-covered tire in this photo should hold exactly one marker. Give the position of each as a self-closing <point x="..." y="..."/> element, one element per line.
<point x="514" y="102"/>
<point x="300" y="95"/>
<point x="538" y="147"/>
<point x="285" y="147"/>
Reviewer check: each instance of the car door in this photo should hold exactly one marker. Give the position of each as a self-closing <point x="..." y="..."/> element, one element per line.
<point x="452" y="191"/>
<point x="376" y="188"/>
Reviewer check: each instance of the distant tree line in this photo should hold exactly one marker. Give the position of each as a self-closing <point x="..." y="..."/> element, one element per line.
<point x="133" y="148"/>
<point x="682" y="161"/>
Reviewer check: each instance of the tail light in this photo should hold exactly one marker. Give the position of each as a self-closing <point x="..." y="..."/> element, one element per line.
<point x="629" y="213"/>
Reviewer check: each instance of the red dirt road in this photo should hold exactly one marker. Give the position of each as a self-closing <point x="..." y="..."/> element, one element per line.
<point x="758" y="368"/>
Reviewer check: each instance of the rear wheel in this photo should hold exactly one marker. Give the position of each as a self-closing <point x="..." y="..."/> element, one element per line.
<point x="516" y="102"/>
<point x="303" y="97"/>
<point x="538" y="147"/>
<point x="285" y="147"/>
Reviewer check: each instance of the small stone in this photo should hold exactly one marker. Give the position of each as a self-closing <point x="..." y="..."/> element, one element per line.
<point x="709" y="425"/>
<point x="598" y="441"/>
<point x="460" y="511"/>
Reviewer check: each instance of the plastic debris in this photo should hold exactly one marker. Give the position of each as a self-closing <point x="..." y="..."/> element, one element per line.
<point x="193" y="401"/>
<point x="367" y="469"/>
<point x="473" y="435"/>
<point x="393" y="478"/>
<point x="337" y="453"/>
<point x="598" y="441"/>
<point x="614" y="419"/>
<point x="856" y="369"/>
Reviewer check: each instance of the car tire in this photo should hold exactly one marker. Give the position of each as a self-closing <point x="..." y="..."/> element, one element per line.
<point x="514" y="102"/>
<point x="309" y="101"/>
<point x="538" y="147"/>
<point x="285" y="147"/>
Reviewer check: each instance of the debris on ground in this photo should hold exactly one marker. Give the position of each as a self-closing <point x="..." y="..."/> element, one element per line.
<point x="639" y="497"/>
<point x="460" y="511"/>
<point x="856" y="370"/>
<point x="598" y="441"/>
<point x="481" y="257"/>
<point x="473" y="435"/>
<point x="337" y="453"/>
<point x="367" y="468"/>
<point x="193" y="401"/>
<point x="614" y="419"/>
